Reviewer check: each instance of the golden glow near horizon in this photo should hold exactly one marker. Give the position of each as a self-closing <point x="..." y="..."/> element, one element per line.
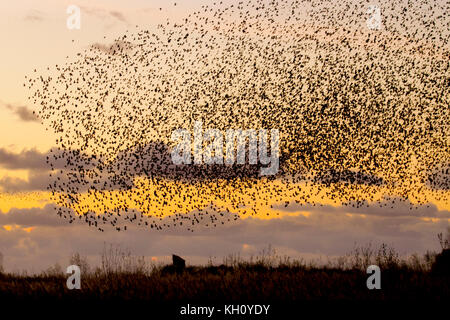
<point x="23" y="200"/>
<point x="37" y="38"/>
<point x="258" y="201"/>
<point x="251" y="206"/>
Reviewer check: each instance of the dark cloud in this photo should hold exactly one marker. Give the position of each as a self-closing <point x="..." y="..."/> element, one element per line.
<point x="322" y="233"/>
<point x="27" y="159"/>
<point x="393" y="208"/>
<point x="115" y="47"/>
<point x="42" y="174"/>
<point x="118" y="15"/>
<point x="32" y="159"/>
<point x="155" y="160"/>
<point x="37" y="181"/>
<point x="32" y="217"/>
<point x="22" y="112"/>
<point x="25" y="114"/>
<point x="152" y="160"/>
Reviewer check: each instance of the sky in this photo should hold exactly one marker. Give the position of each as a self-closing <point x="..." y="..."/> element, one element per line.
<point x="32" y="237"/>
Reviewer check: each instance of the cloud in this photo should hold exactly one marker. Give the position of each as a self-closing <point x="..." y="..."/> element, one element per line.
<point x="39" y="170"/>
<point x="103" y="13"/>
<point x="389" y="209"/>
<point x="37" y="181"/>
<point x="34" y="15"/>
<point x="118" y="15"/>
<point x="155" y="160"/>
<point x="322" y="233"/>
<point x="22" y="112"/>
<point x="33" y="159"/>
<point x="151" y="160"/>
<point x="27" y="159"/>
<point x="32" y="217"/>
<point x="115" y="47"/>
<point x="25" y="114"/>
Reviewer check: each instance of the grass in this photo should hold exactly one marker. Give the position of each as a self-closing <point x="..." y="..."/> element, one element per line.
<point x="264" y="278"/>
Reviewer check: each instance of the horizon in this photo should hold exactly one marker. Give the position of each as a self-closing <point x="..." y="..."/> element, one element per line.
<point x="355" y="167"/>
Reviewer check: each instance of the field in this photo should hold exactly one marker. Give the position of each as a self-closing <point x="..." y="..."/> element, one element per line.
<point x="265" y="278"/>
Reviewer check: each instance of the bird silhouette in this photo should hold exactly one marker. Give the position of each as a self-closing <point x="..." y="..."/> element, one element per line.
<point x="360" y="112"/>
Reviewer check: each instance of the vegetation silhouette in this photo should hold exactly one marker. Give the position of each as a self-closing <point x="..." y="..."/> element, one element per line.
<point x="266" y="277"/>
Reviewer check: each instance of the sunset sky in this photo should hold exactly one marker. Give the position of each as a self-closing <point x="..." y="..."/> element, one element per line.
<point x="33" y="237"/>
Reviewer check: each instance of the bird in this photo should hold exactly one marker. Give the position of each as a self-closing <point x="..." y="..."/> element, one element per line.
<point x="359" y="112"/>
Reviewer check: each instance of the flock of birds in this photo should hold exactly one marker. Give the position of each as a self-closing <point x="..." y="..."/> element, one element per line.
<point x="358" y="111"/>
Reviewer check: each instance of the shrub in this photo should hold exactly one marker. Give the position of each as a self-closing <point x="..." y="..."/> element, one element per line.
<point x="116" y="260"/>
<point x="445" y="243"/>
<point x="80" y="261"/>
<point x="54" y="271"/>
<point x="1" y="262"/>
<point x="441" y="263"/>
<point x="387" y="257"/>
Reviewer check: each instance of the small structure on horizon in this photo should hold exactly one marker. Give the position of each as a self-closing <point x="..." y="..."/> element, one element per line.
<point x="178" y="262"/>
